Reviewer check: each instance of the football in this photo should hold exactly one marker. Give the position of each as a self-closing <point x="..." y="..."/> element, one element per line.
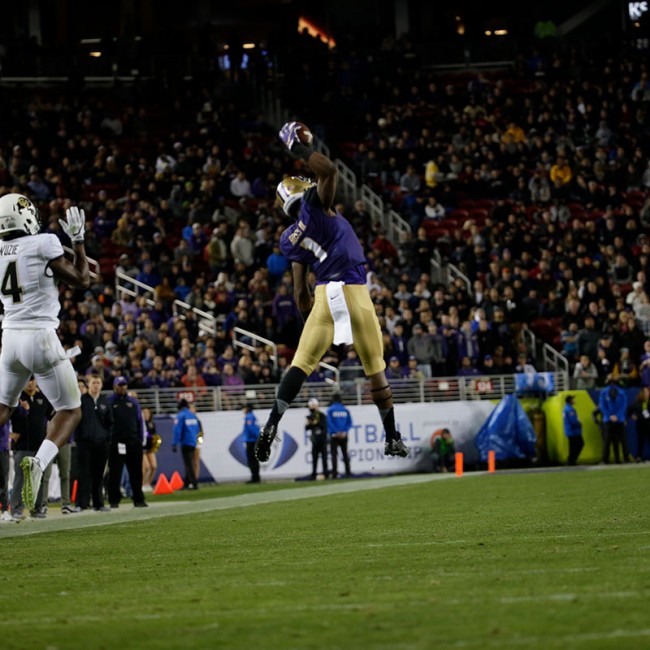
<point x="304" y="134"/>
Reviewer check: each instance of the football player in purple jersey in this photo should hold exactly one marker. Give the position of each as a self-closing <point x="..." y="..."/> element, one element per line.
<point x="342" y="311"/>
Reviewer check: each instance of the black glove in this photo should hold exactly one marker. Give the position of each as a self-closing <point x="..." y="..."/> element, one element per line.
<point x="174" y="448"/>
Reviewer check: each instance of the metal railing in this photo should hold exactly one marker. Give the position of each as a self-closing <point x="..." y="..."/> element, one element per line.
<point x="557" y="363"/>
<point x="353" y="391"/>
<point x="238" y="334"/>
<point x="205" y="321"/>
<point x="455" y="273"/>
<point x="347" y="184"/>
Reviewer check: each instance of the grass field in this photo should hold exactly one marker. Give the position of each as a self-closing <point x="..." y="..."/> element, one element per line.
<point x="518" y="560"/>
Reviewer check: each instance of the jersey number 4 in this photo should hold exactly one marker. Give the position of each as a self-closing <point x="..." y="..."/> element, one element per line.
<point x="10" y="285"/>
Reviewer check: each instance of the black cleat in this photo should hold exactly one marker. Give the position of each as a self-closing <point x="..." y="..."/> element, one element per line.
<point x="264" y="442"/>
<point x="396" y="448"/>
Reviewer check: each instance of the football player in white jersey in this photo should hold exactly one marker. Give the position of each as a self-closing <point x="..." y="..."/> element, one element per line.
<point x="31" y="266"/>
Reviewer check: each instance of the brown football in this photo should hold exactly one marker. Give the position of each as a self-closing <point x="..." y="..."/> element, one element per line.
<point x="304" y="134"/>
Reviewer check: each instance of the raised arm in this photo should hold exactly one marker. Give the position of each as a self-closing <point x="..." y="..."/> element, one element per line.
<point x="327" y="175"/>
<point x="325" y="170"/>
<point x="76" y="274"/>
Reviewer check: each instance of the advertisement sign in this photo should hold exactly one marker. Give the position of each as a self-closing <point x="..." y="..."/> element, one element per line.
<point x="223" y="451"/>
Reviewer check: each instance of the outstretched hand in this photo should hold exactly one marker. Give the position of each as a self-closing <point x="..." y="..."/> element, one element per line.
<point x="289" y="134"/>
<point x="75" y="226"/>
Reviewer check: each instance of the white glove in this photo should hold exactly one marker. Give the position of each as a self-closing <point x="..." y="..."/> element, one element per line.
<point x="75" y="226"/>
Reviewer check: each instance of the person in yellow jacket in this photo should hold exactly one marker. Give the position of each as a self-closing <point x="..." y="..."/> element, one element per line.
<point x="561" y="172"/>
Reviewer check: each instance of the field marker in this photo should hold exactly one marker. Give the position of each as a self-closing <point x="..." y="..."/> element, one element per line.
<point x="176" y="481"/>
<point x="492" y="462"/>
<point x="163" y="486"/>
<point x="459" y="463"/>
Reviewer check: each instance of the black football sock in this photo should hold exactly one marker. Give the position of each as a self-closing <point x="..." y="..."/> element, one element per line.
<point x="388" y="419"/>
<point x="289" y="387"/>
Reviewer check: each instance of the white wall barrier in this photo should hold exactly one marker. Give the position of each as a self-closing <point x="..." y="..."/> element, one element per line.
<point x="223" y="451"/>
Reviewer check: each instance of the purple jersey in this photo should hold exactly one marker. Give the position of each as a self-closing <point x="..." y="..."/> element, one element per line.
<point x="327" y="244"/>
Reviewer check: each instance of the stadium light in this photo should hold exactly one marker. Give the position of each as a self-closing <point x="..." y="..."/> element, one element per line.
<point x="315" y="31"/>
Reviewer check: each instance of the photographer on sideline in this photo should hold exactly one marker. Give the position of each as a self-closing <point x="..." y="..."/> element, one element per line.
<point x="317" y="426"/>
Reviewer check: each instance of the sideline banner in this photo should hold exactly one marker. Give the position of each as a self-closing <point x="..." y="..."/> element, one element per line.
<point x="223" y="456"/>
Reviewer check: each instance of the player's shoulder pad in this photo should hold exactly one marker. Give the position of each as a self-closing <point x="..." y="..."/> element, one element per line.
<point x="50" y="246"/>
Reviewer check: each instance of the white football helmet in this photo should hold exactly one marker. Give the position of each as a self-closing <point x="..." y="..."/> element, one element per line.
<point x="18" y="213"/>
<point x="291" y="190"/>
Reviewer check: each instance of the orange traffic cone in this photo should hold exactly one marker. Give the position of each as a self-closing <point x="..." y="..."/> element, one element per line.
<point x="163" y="486"/>
<point x="176" y="481"/>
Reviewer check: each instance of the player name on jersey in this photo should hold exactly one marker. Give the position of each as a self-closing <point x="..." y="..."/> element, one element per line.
<point x="9" y="249"/>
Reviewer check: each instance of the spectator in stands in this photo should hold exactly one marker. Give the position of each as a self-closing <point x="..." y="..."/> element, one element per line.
<point x="588" y="338"/>
<point x="197" y="240"/>
<point x="410" y="182"/>
<point x="277" y="265"/>
<point x="421" y="347"/>
<point x="467" y="368"/>
<point x="148" y="275"/>
<point x="240" y="186"/>
<point x="434" y="210"/>
<point x="242" y="246"/>
<point x="632" y="338"/>
<point x="193" y="379"/>
<point x="569" y="340"/>
<point x="585" y="374"/>
<point x="394" y="369"/>
<point x="625" y="371"/>
<point x="603" y="365"/>
<point x="487" y="367"/>
<point x="123" y="233"/>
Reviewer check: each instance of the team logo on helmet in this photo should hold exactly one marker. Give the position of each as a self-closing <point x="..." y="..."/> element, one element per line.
<point x="291" y="190"/>
<point x="23" y="203"/>
<point x="18" y="213"/>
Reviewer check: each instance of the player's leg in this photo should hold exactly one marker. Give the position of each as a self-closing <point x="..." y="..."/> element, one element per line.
<point x="15" y="371"/>
<point x="316" y="337"/>
<point x="14" y="374"/>
<point x="59" y="384"/>
<point x="369" y="345"/>
<point x="56" y="378"/>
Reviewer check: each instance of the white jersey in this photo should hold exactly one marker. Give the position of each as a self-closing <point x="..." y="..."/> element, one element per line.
<point x="28" y="290"/>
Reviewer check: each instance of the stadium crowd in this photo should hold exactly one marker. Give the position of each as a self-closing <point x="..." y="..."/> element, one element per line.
<point x="533" y="182"/>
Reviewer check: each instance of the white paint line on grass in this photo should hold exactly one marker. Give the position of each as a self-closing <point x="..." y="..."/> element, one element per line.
<point x="130" y="514"/>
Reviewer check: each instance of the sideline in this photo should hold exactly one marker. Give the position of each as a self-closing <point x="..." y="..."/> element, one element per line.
<point x="130" y="514"/>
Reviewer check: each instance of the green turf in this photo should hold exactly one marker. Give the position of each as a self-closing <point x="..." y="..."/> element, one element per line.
<point x="553" y="560"/>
